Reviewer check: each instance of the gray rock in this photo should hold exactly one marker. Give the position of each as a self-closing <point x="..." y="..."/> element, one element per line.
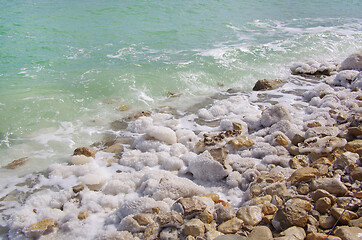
<point x="290" y="216"/>
<point x="326" y="221"/>
<point x="224" y="213"/>
<point x="231" y="237"/>
<point x="349" y="233"/>
<point x="332" y="185"/>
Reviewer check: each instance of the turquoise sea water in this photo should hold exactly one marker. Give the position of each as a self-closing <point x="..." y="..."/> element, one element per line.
<point x="65" y="66"/>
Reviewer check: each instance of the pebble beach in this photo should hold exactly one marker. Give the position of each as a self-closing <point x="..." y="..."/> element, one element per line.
<point x="279" y="162"/>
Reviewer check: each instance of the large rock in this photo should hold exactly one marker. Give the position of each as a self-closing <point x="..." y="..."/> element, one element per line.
<point x="297" y="202"/>
<point x="274" y="114"/>
<point x="349" y="233"/>
<point x="231" y="226"/>
<point x="352" y="62"/>
<point x="303" y="174"/>
<point x="290" y="216"/>
<point x="260" y="233"/>
<point x="332" y="185"/>
<point x="251" y="215"/>
<point x="267" y="84"/>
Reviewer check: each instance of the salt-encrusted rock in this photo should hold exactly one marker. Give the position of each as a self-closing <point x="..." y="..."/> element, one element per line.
<point x="356" y="174"/>
<point x="204" y="167"/>
<point x="303" y="174"/>
<point x="357" y="83"/>
<point x="323" y="205"/>
<point x="287" y="217"/>
<point x="86" y="151"/>
<point x="230" y="226"/>
<point x="195" y="227"/>
<point x="224" y="213"/>
<point x="170" y="219"/>
<point x="313" y="68"/>
<point x="278" y="189"/>
<point x="274" y="114"/>
<point x="269" y="209"/>
<point x="143" y="204"/>
<point x="294" y="231"/>
<point x="299" y="161"/>
<point x="321" y="132"/>
<point x="267" y="84"/>
<point x="151" y="231"/>
<point x="346" y="217"/>
<point x="163" y="134"/>
<point x="81" y="159"/>
<point x="321" y="236"/>
<point x="192" y="205"/>
<point x="332" y="185"/>
<point x="168" y="233"/>
<point x="261" y="233"/>
<point x="326" y="221"/>
<point x="297" y="202"/>
<point x="321" y="145"/>
<point x="344" y="78"/>
<point x="251" y="215"/>
<point x="39" y="228"/>
<point x="352" y="62"/>
<point x="345" y="159"/>
<point x="348" y="233"/>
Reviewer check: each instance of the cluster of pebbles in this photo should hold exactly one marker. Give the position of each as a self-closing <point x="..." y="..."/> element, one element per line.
<point x="263" y="171"/>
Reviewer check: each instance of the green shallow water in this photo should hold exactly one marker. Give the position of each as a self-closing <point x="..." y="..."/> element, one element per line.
<point x="66" y="65"/>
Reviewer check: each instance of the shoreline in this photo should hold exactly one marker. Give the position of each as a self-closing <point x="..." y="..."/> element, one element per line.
<point x="231" y="154"/>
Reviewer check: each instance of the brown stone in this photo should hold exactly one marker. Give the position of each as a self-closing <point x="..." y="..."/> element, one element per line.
<point x="267" y="218"/>
<point x="195" y="227"/>
<point x="294" y="231"/>
<point x="322" y="160"/>
<point x="354" y="145"/>
<point x="116" y="148"/>
<point x="260" y="233"/>
<point x="299" y="161"/>
<point x="332" y="185"/>
<point x="83" y="215"/>
<point x="297" y="202"/>
<point x="281" y="140"/>
<point x="269" y="209"/>
<point x="78" y="188"/>
<point x="320" y="193"/>
<point x="143" y="219"/>
<point x="303" y="188"/>
<point x="267" y="84"/>
<point x="323" y="205"/>
<point x="41" y="227"/>
<point x="206" y="217"/>
<point x="86" y="151"/>
<point x="303" y="174"/>
<point x="16" y="163"/>
<point x="326" y="221"/>
<point x="237" y="126"/>
<point x="219" y="154"/>
<point x="192" y="205"/>
<point x="231" y="226"/>
<point x="170" y="219"/>
<point x="243" y="141"/>
<point x="321" y="236"/>
<point x="346" y="217"/>
<point x="278" y="189"/>
<point x="123" y="108"/>
<point x="314" y="124"/>
<point x="288" y="216"/>
<point x="356" y="174"/>
<point x="357" y="131"/>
